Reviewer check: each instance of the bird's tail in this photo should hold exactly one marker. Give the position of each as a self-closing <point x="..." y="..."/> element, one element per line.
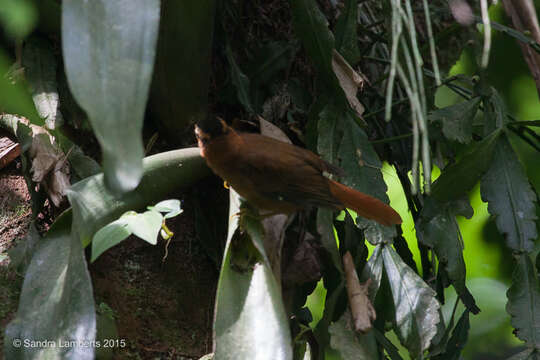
<point x="364" y="205"/>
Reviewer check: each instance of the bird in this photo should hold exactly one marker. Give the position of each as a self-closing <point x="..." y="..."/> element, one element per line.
<point x="278" y="177"/>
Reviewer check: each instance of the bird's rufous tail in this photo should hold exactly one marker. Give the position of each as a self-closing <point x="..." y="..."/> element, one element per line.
<point x="364" y="205"/>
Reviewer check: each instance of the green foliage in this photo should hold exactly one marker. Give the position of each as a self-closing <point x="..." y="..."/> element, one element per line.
<point x="288" y="73"/>
<point x="108" y="59"/>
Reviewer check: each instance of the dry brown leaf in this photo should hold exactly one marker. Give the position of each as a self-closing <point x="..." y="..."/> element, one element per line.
<point x="349" y="80"/>
<point x="363" y="312"/>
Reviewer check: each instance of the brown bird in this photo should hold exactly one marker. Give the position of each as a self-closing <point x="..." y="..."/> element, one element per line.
<point x="280" y="177"/>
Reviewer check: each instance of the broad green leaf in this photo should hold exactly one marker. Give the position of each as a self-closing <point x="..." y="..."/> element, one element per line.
<point x="361" y="161"/>
<point x="439" y="230"/>
<point x="328" y="133"/>
<point x="18" y="17"/>
<point x="524" y="302"/>
<point x="311" y="27"/>
<point x="242" y="330"/>
<point x="457" y="119"/>
<point x="145" y="225"/>
<point x="171" y="207"/>
<point x="510" y="199"/>
<point x="109" y="236"/>
<point x="416" y="306"/>
<point x="56" y="302"/>
<point x="15" y="97"/>
<point x="457" y="179"/>
<point x="458" y="339"/>
<point x="349" y="344"/>
<point x="94" y="206"/>
<point x="346" y="32"/>
<point x="22" y="253"/>
<point x="109" y="49"/>
<point x="40" y="72"/>
<point x="239" y="80"/>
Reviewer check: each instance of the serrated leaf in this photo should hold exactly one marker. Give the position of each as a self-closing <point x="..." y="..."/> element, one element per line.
<point x="457" y="119"/>
<point x="348" y="344"/>
<point x="109" y="49"/>
<point x="457" y="179"/>
<point x="40" y="72"/>
<point x="510" y="199"/>
<point x="109" y="236"/>
<point x="145" y="225"/>
<point x="56" y="302"/>
<point x="439" y="230"/>
<point x="494" y="111"/>
<point x="240" y="81"/>
<point x="416" y="306"/>
<point x="94" y="206"/>
<point x="524" y="301"/>
<point x="346" y="35"/>
<point x="240" y="297"/>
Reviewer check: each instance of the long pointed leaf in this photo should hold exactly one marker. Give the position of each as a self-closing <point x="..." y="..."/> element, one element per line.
<point x="109" y="50"/>
<point x="510" y="198"/>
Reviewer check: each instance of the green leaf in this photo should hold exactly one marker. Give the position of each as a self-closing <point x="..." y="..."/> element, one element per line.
<point x="439" y="230"/>
<point x="15" y="98"/>
<point x="145" y="226"/>
<point x="524" y="302"/>
<point x="494" y="111"/>
<point x="40" y="72"/>
<point x="56" y="302"/>
<point x="361" y="161"/>
<point x="458" y="339"/>
<point x="311" y="27"/>
<point x="346" y="35"/>
<point x="349" y="345"/>
<point x="18" y="17"/>
<point x="328" y="133"/>
<point x="109" y="236"/>
<point x="270" y="59"/>
<point x="241" y="294"/>
<point x="457" y="179"/>
<point x="373" y="270"/>
<point x="416" y="307"/>
<point x="109" y="49"/>
<point x="22" y="253"/>
<point x="457" y="119"/>
<point x="239" y="80"/>
<point x="510" y="199"/>
<point x="171" y="207"/>
<point x="94" y="206"/>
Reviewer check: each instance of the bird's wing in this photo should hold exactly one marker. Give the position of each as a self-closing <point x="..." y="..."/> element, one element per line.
<point x="295" y="175"/>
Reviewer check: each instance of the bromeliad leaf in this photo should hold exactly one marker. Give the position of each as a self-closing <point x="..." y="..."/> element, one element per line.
<point x="40" y="72"/>
<point x="417" y="309"/>
<point x="510" y="198"/>
<point x="457" y="179"/>
<point x="241" y="295"/>
<point x="524" y="302"/>
<point x="108" y="59"/>
<point x="56" y="302"/>
<point x="109" y="236"/>
<point x="457" y="120"/>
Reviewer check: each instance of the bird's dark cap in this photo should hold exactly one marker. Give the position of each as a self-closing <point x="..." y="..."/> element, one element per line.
<point x="213" y="126"/>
